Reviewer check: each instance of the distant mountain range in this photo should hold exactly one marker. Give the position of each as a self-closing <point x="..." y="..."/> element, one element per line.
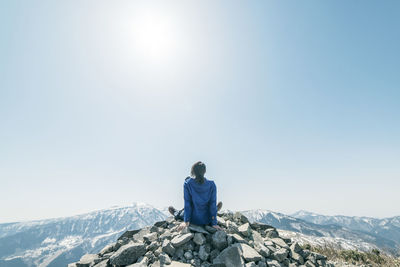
<point x="56" y="242"/>
<point x="338" y="231"/>
<point x="388" y="228"/>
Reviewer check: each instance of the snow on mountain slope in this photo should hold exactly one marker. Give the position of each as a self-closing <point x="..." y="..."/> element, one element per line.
<point x="325" y="233"/>
<point x="55" y="242"/>
<point x="388" y="228"/>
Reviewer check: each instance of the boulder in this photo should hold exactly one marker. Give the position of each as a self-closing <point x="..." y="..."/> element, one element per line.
<point x="245" y="229"/>
<point x="107" y="249"/>
<point x="203" y="255"/>
<point x="181" y="239"/>
<point x="240" y="217"/>
<point x="230" y="256"/>
<point x="249" y="254"/>
<point x="88" y="260"/>
<point x="199" y="239"/>
<point x="164" y="259"/>
<point x="178" y="264"/>
<point x="210" y="229"/>
<point x="167" y="247"/>
<point x="128" y="254"/>
<point x="281" y="254"/>
<point x="241" y="243"/>
<point x="219" y="240"/>
<point x="198" y="229"/>
<point x="148" y="238"/>
<point x="280" y="242"/>
<point x="143" y="262"/>
<point x="103" y="263"/>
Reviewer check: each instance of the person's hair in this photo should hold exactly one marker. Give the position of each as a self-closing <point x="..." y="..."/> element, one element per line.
<point x="198" y="171"/>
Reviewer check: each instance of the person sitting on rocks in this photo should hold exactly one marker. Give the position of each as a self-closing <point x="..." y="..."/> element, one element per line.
<point x="200" y="195"/>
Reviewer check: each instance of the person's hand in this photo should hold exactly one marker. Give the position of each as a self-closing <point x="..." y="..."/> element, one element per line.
<point x="182" y="226"/>
<point x="218" y="227"/>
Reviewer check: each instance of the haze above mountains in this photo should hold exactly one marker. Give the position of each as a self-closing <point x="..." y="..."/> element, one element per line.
<point x="55" y="242"/>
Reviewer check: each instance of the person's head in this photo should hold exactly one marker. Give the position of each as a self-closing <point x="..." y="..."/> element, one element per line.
<point x="198" y="170"/>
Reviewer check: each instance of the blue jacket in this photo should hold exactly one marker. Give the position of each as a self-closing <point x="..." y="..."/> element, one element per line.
<point x="200" y="202"/>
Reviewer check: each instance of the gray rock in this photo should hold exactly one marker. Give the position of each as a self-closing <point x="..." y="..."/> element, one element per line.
<point x="179" y="252"/>
<point x="162" y="224"/>
<point x="107" y="249"/>
<point x="245" y="229"/>
<point x="281" y="254"/>
<point x="165" y="235"/>
<point x="188" y="255"/>
<point x="237" y="238"/>
<point x="268" y="243"/>
<point x="156" y="264"/>
<point x="230" y="256"/>
<point x="263" y="250"/>
<point x="240" y="217"/>
<point x="214" y="253"/>
<point x="164" y="259"/>
<point x="143" y="262"/>
<point x="257" y="238"/>
<point x="181" y="239"/>
<point x="128" y="234"/>
<point x="262" y="264"/>
<point x="296" y="256"/>
<point x="279" y="241"/>
<point x="273" y="263"/>
<point x="318" y="256"/>
<point x="178" y="264"/>
<point x="88" y="260"/>
<point x="198" y="229"/>
<point x="138" y="237"/>
<point x="203" y="255"/>
<point x="260" y="226"/>
<point x="210" y="229"/>
<point x="251" y="264"/>
<point x="107" y="255"/>
<point x="219" y="240"/>
<point x="103" y="263"/>
<point x="128" y="254"/>
<point x="309" y="264"/>
<point x="232" y="227"/>
<point x="167" y="247"/>
<point x="271" y="233"/>
<point x="295" y="247"/>
<point x="199" y="239"/>
<point x="249" y="254"/>
<point x="148" y="238"/>
<point x="221" y="221"/>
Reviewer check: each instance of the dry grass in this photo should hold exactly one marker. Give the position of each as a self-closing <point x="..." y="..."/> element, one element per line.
<point x="372" y="258"/>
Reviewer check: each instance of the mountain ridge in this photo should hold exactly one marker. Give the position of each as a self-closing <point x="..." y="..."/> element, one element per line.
<point x="53" y="242"/>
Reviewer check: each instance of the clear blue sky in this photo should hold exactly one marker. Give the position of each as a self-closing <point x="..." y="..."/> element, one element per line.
<point x="291" y="104"/>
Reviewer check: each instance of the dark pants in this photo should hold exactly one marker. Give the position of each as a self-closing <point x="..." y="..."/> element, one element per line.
<point x="179" y="215"/>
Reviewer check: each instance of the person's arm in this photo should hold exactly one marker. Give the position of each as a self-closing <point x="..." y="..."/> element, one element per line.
<point x="187" y="215"/>
<point x="213" y="204"/>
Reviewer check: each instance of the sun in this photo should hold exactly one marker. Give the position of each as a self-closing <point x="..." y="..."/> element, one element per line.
<point x="155" y="37"/>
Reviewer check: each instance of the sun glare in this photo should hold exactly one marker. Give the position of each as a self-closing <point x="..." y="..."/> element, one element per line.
<point x="155" y="38"/>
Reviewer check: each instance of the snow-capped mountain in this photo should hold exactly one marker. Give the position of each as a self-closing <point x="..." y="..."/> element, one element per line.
<point x="387" y="227"/>
<point x="56" y="242"/>
<point x="320" y="232"/>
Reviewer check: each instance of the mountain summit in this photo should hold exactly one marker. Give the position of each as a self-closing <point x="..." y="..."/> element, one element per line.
<point x="240" y="244"/>
<point x="57" y="242"/>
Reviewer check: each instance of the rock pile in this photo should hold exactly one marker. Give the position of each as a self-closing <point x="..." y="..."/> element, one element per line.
<point x="240" y="244"/>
